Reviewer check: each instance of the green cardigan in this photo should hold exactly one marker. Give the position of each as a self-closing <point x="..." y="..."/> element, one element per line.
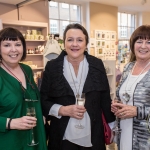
<point x="13" y="105"/>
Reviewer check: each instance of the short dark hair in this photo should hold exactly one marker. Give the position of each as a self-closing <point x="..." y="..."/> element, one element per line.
<point x="142" y="32"/>
<point x="13" y="34"/>
<point x="76" y="26"/>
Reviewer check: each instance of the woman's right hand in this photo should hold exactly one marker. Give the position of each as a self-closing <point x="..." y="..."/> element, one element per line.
<point x="74" y="111"/>
<point x="23" y="123"/>
<point x="114" y="109"/>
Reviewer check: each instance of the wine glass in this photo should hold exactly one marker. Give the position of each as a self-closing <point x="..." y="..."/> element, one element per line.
<point x="30" y="111"/>
<point x="117" y="129"/>
<point x="80" y="102"/>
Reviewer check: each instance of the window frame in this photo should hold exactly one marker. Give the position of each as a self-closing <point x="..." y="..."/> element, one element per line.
<point x="79" y="19"/>
<point x="127" y="27"/>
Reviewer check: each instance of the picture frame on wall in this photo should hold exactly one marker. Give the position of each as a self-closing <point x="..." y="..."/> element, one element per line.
<point x="107" y="36"/>
<point x="103" y="35"/>
<point x="112" y="45"/>
<point x="107" y="45"/>
<point x="92" y="42"/>
<point x="99" y="50"/>
<point x="98" y="43"/>
<point x="98" y="35"/>
<point x="103" y="43"/>
<point x="113" y="36"/>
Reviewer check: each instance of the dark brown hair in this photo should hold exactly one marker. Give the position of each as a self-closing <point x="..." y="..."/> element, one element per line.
<point x="142" y="32"/>
<point x="12" y="34"/>
<point x="76" y="26"/>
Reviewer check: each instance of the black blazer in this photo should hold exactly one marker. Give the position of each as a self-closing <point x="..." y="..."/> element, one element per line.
<point x="56" y="90"/>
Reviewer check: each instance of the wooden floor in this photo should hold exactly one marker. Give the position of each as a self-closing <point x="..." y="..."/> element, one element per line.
<point x="112" y="146"/>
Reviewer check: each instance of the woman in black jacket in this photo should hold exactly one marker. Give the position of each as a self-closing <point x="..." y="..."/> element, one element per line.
<point x="75" y="72"/>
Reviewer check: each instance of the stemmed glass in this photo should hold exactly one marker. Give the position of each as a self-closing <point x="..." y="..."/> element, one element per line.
<point x="116" y="129"/>
<point x="30" y="111"/>
<point x="80" y="101"/>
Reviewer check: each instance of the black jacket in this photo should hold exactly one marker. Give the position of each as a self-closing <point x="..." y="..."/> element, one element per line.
<point x="56" y="90"/>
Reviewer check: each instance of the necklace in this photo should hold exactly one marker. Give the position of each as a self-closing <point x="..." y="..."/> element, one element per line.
<point x="14" y="76"/>
<point x="126" y="96"/>
<point x="18" y="79"/>
<point x="77" y="91"/>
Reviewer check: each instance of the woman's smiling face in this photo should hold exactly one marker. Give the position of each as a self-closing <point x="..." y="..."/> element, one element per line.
<point x="11" y="51"/>
<point x="75" y="43"/>
<point x="142" y="49"/>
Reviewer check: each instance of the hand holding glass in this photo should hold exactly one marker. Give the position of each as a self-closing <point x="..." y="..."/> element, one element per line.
<point x="116" y="129"/>
<point x="80" y="101"/>
<point x="32" y="139"/>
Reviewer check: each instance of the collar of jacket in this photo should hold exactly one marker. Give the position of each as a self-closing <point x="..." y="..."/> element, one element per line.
<point x="144" y="81"/>
<point x="96" y="77"/>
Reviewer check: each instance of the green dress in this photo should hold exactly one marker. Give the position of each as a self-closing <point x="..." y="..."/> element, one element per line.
<point x="13" y="105"/>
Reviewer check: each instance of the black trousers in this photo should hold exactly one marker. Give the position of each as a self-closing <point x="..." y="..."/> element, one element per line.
<point x="66" y="145"/>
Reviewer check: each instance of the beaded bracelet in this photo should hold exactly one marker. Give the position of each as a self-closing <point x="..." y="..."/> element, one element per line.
<point x="8" y="127"/>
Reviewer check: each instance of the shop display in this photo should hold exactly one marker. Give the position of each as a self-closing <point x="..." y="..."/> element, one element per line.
<point x="38" y="50"/>
<point x="52" y="49"/>
<point x="104" y="44"/>
<point x="33" y="35"/>
<point x="123" y="52"/>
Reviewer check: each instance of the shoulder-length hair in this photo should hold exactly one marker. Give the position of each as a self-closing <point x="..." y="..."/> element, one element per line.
<point x="142" y="32"/>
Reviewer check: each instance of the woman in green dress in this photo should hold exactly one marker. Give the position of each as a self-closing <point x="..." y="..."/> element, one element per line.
<point x="18" y="92"/>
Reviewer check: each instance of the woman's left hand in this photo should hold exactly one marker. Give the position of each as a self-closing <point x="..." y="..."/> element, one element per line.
<point x="125" y="111"/>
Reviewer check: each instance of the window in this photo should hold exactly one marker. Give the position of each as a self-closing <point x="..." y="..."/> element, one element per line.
<point x="53" y="4"/>
<point x="65" y="5"/>
<point x="61" y="14"/>
<point x="126" y="26"/>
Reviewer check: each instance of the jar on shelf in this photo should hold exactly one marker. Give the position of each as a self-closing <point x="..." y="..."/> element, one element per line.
<point x="36" y="51"/>
<point x="36" y="37"/>
<point x="27" y="36"/>
<point x="41" y="37"/>
<point x="34" y="32"/>
<point x="31" y="37"/>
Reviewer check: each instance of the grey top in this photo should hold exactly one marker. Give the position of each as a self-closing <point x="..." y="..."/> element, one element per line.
<point x="141" y="99"/>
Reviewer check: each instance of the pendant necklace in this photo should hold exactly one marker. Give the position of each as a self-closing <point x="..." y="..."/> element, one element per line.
<point x="23" y="89"/>
<point x="126" y="95"/>
<point x="14" y="76"/>
<point x="77" y="91"/>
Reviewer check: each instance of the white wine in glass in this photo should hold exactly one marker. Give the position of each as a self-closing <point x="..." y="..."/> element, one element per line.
<point x="117" y="129"/>
<point x="31" y="141"/>
<point x="80" y="102"/>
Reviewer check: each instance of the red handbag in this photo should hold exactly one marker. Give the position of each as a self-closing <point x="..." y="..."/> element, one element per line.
<point x="107" y="131"/>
